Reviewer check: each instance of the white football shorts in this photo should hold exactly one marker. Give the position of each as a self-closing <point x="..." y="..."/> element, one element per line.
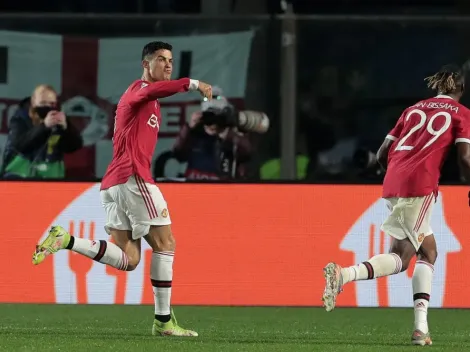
<point x="134" y="206"/>
<point x="409" y="218"/>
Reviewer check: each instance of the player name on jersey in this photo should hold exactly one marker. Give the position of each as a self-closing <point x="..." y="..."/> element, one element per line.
<point x="437" y="105"/>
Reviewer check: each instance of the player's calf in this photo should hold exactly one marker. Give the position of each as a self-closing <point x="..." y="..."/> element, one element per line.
<point x="422" y="283"/>
<point x="161" y="239"/>
<point x="99" y="250"/>
<point x="377" y="266"/>
<point x="123" y="254"/>
<point x="163" y="244"/>
<point x="381" y="265"/>
<point x="130" y="248"/>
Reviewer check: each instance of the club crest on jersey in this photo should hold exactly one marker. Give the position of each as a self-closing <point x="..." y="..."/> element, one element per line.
<point x="153" y="121"/>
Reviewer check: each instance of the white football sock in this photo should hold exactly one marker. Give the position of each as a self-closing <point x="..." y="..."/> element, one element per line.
<point x="161" y="275"/>
<point x="100" y="251"/>
<point x="377" y="266"/>
<point x="422" y="282"/>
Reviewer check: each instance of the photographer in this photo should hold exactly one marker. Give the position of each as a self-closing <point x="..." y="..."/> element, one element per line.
<point x="214" y="143"/>
<point x="39" y="134"/>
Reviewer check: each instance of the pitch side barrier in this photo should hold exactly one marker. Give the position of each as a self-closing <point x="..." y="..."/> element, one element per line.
<point x="292" y="231"/>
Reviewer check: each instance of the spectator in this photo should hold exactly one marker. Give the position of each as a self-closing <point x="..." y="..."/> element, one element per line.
<point x="39" y="134"/>
<point x="212" y="149"/>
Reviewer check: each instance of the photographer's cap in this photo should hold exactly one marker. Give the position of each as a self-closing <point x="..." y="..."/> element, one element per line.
<point x="218" y="100"/>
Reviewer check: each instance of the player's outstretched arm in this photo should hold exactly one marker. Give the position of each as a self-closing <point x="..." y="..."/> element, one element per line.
<point x="161" y="89"/>
<point x="463" y="151"/>
<point x="382" y="153"/>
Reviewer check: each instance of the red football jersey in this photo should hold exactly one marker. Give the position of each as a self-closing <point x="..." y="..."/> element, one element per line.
<point x="422" y="138"/>
<point x="136" y="127"/>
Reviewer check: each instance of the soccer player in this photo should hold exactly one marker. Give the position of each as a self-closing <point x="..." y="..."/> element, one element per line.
<point x="413" y="154"/>
<point x="134" y="206"/>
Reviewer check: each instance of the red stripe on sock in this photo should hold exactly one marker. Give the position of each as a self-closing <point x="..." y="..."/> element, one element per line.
<point x="161" y="284"/>
<point x="170" y="254"/>
<point x="370" y="270"/>
<point x="124" y="261"/>
<point x="398" y="263"/>
<point x="101" y="251"/>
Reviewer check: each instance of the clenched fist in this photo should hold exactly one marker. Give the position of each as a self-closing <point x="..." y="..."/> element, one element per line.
<point x="205" y="90"/>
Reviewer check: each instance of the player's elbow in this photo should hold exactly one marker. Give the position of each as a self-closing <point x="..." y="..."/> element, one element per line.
<point x="382" y="153"/>
<point x="382" y="160"/>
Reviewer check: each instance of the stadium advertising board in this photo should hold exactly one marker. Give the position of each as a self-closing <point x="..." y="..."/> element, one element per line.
<point x="236" y="245"/>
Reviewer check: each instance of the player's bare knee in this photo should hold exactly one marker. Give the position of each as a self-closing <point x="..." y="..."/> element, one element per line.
<point x="430" y="256"/>
<point x="161" y="239"/>
<point x="405" y="263"/>
<point x="133" y="259"/>
<point x="405" y="257"/>
<point x="131" y="267"/>
<point x="166" y="243"/>
<point x="133" y="262"/>
<point x="428" y="250"/>
<point x="405" y="250"/>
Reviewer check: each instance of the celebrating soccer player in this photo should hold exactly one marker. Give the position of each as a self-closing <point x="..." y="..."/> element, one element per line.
<point x="413" y="154"/>
<point x="134" y="206"/>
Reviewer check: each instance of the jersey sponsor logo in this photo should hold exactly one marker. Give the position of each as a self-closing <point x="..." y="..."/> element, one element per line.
<point x="153" y="121"/>
<point x="143" y="85"/>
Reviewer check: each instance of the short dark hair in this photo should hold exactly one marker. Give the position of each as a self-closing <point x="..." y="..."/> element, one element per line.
<point x="449" y="79"/>
<point x="152" y="47"/>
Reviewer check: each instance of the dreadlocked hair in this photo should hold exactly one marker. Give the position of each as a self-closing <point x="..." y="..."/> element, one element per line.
<point x="449" y="79"/>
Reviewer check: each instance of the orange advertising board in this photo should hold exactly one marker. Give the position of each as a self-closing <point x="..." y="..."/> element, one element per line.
<point x="236" y="245"/>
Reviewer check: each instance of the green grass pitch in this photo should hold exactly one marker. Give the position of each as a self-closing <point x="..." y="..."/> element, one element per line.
<point x="223" y="329"/>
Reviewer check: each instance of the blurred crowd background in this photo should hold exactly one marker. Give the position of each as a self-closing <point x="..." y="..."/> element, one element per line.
<point x="355" y="65"/>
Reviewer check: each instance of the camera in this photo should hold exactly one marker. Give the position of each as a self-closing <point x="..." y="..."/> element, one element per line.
<point x="43" y="110"/>
<point x="222" y="118"/>
<point x="224" y="115"/>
